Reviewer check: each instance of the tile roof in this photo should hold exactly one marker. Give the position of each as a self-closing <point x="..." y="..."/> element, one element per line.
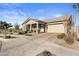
<point x="62" y="18"/>
<point x="32" y="19"/>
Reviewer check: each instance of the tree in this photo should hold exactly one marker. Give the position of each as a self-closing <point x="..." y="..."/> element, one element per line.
<point x="69" y="31"/>
<point x="5" y="25"/>
<point x="16" y="26"/>
<point x="76" y="10"/>
<point x="70" y="34"/>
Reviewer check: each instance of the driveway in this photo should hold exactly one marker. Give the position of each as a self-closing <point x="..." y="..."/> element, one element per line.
<point x="32" y="46"/>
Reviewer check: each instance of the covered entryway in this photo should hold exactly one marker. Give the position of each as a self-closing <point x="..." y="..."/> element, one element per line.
<point x="34" y="26"/>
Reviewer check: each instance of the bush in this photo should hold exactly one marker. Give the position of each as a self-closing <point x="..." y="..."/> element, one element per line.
<point x="5" y="32"/>
<point x="25" y="31"/>
<point x="69" y="39"/>
<point x="77" y="39"/>
<point x="28" y="34"/>
<point x="10" y="30"/>
<point x="61" y="36"/>
<point x="28" y="31"/>
<point x="45" y="53"/>
<point x="20" y="32"/>
<point x="0" y="32"/>
<point x="7" y="36"/>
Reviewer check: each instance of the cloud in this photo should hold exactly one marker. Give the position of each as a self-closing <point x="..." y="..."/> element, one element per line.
<point x="13" y="16"/>
<point x="42" y="18"/>
<point x="19" y="12"/>
<point x="58" y="15"/>
<point x="11" y="5"/>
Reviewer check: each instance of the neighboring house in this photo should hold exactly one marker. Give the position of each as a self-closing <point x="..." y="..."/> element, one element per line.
<point x="56" y="25"/>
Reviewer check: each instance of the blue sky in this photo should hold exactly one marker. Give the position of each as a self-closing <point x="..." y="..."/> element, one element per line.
<point x="17" y="13"/>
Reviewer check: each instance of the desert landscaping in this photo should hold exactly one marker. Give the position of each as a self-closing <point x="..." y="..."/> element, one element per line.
<point x="35" y="44"/>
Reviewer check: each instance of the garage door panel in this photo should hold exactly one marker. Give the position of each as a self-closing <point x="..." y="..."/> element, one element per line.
<point x="56" y="28"/>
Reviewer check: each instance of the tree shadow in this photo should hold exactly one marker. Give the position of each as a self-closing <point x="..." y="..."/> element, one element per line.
<point x="46" y="53"/>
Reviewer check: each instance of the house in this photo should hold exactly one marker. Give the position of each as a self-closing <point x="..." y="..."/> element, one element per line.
<point x="56" y="25"/>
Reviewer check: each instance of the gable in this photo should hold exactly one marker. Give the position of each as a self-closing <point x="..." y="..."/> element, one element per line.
<point x="31" y="22"/>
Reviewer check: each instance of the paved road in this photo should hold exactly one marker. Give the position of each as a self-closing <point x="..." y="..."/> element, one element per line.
<point x="32" y="47"/>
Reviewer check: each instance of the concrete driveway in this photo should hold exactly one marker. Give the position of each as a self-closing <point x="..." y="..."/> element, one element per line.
<point x="32" y="46"/>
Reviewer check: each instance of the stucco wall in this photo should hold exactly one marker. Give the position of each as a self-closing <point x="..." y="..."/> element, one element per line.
<point x="59" y="28"/>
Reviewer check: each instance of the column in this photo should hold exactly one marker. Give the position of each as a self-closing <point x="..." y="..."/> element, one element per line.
<point x="37" y="28"/>
<point x="44" y="28"/>
<point x="25" y="27"/>
<point x="65" y="27"/>
<point x="30" y="27"/>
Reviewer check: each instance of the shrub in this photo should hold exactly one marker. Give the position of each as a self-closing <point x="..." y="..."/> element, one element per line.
<point x="20" y="32"/>
<point x="10" y="30"/>
<point x="7" y="36"/>
<point x="69" y="39"/>
<point x="28" y="34"/>
<point x="0" y="32"/>
<point x="25" y="31"/>
<point x="5" y="32"/>
<point x="45" y="53"/>
<point x="61" y="36"/>
<point x="28" y="31"/>
<point x="77" y="39"/>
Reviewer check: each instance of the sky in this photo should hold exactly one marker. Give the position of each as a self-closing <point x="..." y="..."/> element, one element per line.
<point x="19" y="12"/>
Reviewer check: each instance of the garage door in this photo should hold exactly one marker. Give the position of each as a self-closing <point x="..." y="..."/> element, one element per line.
<point x="59" y="28"/>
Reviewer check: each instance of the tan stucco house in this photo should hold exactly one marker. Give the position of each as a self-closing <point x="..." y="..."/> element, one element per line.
<point x="56" y="25"/>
